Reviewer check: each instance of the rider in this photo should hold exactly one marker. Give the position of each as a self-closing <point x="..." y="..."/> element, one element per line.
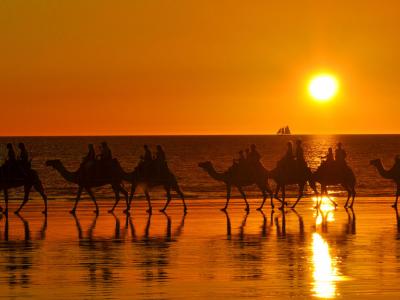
<point x="23" y="154"/>
<point x="105" y="152"/>
<point x="242" y="158"/>
<point x="147" y="154"/>
<point x="160" y="159"/>
<point x="329" y="157"/>
<point x="10" y="153"/>
<point x="90" y="156"/>
<point x="340" y="154"/>
<point x="253" y="157"/>
<point x="23" y="157"/>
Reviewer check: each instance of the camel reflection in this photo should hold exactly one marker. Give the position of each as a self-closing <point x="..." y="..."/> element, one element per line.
<point x="152" y="251"/>
<point x="17" y="255"/>
<point x="101" y="256"/>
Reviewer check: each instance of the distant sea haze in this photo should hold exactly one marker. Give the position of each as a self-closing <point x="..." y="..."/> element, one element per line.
<point x="185" y="152"/>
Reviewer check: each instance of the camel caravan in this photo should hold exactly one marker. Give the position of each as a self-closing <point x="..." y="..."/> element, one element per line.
<point x="153" y="171"/>
<point x="291" y="169"/>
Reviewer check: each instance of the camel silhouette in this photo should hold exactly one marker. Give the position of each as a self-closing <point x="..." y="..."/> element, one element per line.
<point x="238" y="178"/>
<point x="333" y="174"/>
<point x="26" y="179"/>
<point x="96" y="175"/>
<point x="291" y="174"/>
<point x="148" y="176"/>
<point x="393" y="174"/>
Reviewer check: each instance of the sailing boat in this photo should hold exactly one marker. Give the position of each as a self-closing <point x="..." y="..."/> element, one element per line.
<point x="284" y="131"/>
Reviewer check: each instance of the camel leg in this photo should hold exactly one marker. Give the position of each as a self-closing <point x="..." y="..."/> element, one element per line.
<point x="90" y="192"/>
<point x="283" y="197"/>
<point x="301" y="193"/>
<point x="117" y="198"/>
<point x="264" y="193"/>
<point x="353" y="196"/>
<point x="228" y="197"/>
<point x="126" y="195"/>
<point x="6" y="200"/>
<point x="27" y="189"/>
<point x="133" y="189"/>
<point x="244" y="197"/>
<point x="78" y="197"/>
<point x="276" y="195"/>
<point x="168" y="190"/>
<point x="150" y="209"/>
<point x="348" y="195"/>
<point x="179" y="192"/>
<point x="397" y="196"/>
<point x="39" y="188"/>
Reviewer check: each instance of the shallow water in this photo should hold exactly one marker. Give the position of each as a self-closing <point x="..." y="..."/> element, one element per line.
<point x="206" y="253"/>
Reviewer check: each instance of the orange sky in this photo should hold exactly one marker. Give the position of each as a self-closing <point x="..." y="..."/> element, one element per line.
<point x="196" y="67"/>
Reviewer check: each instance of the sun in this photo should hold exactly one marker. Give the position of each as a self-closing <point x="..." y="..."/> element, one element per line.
<point x="323" y="87"/>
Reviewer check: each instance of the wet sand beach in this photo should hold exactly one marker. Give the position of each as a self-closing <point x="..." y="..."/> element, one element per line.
<point x="204" y="254"/>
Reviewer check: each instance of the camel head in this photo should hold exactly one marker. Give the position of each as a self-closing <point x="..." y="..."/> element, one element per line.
<point x="375" y="162"/>
<point x="206" y="165"/>
<point x="53" y="163"/>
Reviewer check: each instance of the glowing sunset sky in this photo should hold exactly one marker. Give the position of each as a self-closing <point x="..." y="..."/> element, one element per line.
<point x="197" y="67"/>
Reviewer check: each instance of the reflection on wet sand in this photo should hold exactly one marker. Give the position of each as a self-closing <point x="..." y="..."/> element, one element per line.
<point x="325" y="269"/>
<point x="281" y="254"/>
<point x="17" y="256"/>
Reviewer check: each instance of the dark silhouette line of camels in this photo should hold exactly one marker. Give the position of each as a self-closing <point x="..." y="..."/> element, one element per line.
<point x="283" y="176"/>
<point x="113" y="174"/>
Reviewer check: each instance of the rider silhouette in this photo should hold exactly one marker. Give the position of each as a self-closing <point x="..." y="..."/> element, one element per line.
<point x="10" y="153"/>
<point x="105" y="152"/>
<point x="161" y="160"/>
<point x="23" y="159"/>
<point x="242" y="158"/>
<point x="147" y="154"/>
<point x="253" y="157"/>
<point x="91" y="155"/>
<point x="329" y="157"/>
<point x="340" y="154"/>
<point x="23" y="156"/>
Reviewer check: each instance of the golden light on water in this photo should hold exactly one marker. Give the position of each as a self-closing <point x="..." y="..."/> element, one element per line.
<point x="325" y="212"/>
<point x="325" y="272"/>
<point x="323" y="87"/>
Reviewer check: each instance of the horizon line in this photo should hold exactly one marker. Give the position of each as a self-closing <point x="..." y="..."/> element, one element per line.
<point x="189" y="135"/>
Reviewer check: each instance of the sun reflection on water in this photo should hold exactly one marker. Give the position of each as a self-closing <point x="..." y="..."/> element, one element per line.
<point x="325" y="272"/>
<point x="325" y="211"/>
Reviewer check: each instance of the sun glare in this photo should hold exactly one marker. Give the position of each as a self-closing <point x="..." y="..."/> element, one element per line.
<point x="323" y="87"/>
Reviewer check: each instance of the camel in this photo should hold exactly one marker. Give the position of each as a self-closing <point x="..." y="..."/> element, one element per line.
<point x="295" y="174"/>
<point x="236" y="177"/>
<point x="334" y="174"/>
<point x="393" y="174"/>
<point x="96" y="175"/>
<point x="149" y="176"/>
<point x="28" y="180"/>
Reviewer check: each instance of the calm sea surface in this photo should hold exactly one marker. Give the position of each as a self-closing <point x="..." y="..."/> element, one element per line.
<point x="206" y="253"/>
